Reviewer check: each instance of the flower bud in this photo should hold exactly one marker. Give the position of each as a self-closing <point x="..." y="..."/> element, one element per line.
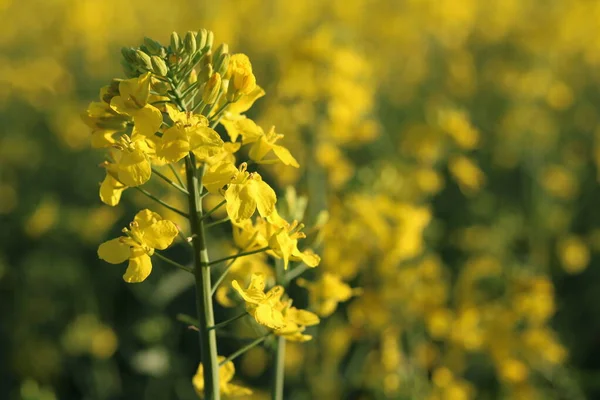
<point x="192" y="77"/>
<point x="222" y="65"/>
<point x="158" y="66"/>
<point x="175" y="42"/>
<point x="128" y="54"/>
<point x="154" y="48"/>
<point x="223" y="48"/>
<point x="129" y="70"/>
<point x="143" y="60"/>
<point x="205" y="73"/>
<point x="189" y="43"/>
<point x="201" y="38"/>
<point x="211" y="89"/>
<point x="210" y="38"/>
<point x="243" y="81"/>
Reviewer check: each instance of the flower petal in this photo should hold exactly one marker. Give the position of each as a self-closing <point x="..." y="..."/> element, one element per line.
<point x="111" y="190"/>
<point x="160" y="235"/>
<point x="147" y="120"/>
<point x="139" y="268"/>
<point x="134" y="168"/>
<point x="114" y="251"/>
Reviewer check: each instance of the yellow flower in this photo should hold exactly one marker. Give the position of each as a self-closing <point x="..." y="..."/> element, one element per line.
<point x="574" y="254"/>
<point x="327" y="292"/>
<point x="130" y="167"/>
<point x="147" y="232"/>
<point x="262" y="306"/>
<point x="247" y="193"/>
<point x="295" y="323"/>
<point x="104" y="121"/>
<point x="133" y="101"/>
<point x="242" y="80"/>
<point x="190" y="132"/>
<point x="226" y="373"/>
<point x="284" y="244"/>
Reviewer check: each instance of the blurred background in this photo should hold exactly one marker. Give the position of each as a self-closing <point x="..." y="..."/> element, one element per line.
<point x="454" y="143"/>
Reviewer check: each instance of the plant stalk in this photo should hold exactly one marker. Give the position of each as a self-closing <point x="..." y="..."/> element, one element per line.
<point x="208" y="338"/>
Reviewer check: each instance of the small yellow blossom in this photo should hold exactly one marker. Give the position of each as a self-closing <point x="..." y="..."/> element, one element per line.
<point x="104" y="121"/>
<point x="190" y="132"/>
<point x="261" y="305"/>
<point x="295" y="323"/>
<point x="130" y="167"/>
<point x="574" y="254"/>
<point x="327" y="292"/>
<point x="284" y="244"/>
<point x="147" y="232"/>
<point x="226" y="373"/>
<point x="133" y="101"/>
<point x="247" y="193"/>
<point x="263" y="143"/>
<point x="242" y="80"/>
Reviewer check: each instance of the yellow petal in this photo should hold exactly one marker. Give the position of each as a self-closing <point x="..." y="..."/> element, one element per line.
<point x="285" y="156"/>
<point x="249" y="130"/>
<point x="147" y="120"/>
<point x="134" y="168"/>
<point x="174" y="144"/>
<point x="266" y="315"/>
<point x="250" y="296"/>
<point x="308" y="257"/>
<point x="138" y="269"/>
<point x="259" y="149"/>
<point x="137" y="89"/>
<point x="240" y="203"/>
<point x="146" y="218"/>
<point x="219" y="175"/>
<point x="114" y="251"/>
<point x="263" y="194"/>
<point x="246" y="101"/>
<point x="232" y="390"/>
<point x="305" y="318"/>
<point x="226" y="372"/>
<point x="205" y="142"/>
<point x="111" y="190"/>
<point x="160" y="235"/>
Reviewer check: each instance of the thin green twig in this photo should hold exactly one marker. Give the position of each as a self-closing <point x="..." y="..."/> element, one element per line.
<point x="170" y="181"/>
<point x="235" y="256"/>
<point x="230" y="320"/>
<point x="245" y="349"/>
<point x="173" y="263"/>
<point x="162" y="203"/>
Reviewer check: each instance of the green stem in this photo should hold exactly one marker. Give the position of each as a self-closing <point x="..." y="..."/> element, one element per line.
<point x="212" y="210"/>
<point x="177" y="176"/>
<point x="187" y="319"/>
<point x="170" y="182"/>
<point x="235" y="256"/>
<point x="162" y="203"/>
<point x="279" y="371"/>
<point x="245" y="349"/>
<point x="173" y="263"/>
<point x="217" y="222"/>
<point x="208" y="338"/>
<point x="223" y="274"/>
<point x="294" y="273"/>
<point x="230" y="320"/>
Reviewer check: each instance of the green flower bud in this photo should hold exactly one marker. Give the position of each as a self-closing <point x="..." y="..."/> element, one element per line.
<point x="211" y="89"/>
<point x="158" y="66"/>
<point x="129" y="69"/>
<point x="210" y="38"/>
<point x="128" y="54"/>
<point x="175" y="42"/>
<point x="189" y="43"/>
<point x="161" y="87"/>
<point x="154" y="48"/>
<point x="205" y="73"/>
<point x="223" y="48"/>
<point x="201" y="38"/>
<point x="222" y="64"/>
<point x="143" y="60"/>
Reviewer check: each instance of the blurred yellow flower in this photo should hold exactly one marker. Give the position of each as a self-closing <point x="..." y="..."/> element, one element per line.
<point x="133" y="101"/>
<point x="262" y="306"/>
<point x="226" y="374"/>
<point x="327" y="292"/>
<point x="574" y="254"/>
<point x="147" y="232"/>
